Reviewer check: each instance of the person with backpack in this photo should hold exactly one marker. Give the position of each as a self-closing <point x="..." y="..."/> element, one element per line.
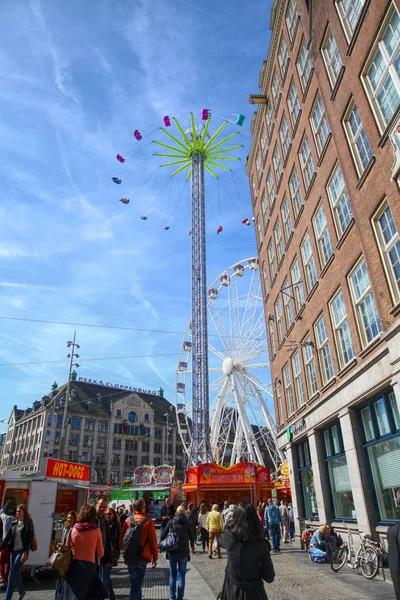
<point x="138" y="543"/>
<point x="179" y="557"/>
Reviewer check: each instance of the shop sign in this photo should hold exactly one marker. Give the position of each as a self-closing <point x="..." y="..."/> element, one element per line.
<point x="66" y="500"/>
<point x="147" y="475"/>
<point x="116" y="386"/>
<point x="163" y="475"/>
<point x="126" y="436"/>
<point x="298" y="426"/>
<point x="62" y="469"/>
<point x="284" y="468"/>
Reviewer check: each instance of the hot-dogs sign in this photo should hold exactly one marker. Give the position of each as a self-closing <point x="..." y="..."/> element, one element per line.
<point x="62" y="469"/>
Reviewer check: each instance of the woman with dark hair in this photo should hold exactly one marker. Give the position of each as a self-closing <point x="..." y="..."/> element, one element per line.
<point x="111" y="551"/>
<point x="249" y="562"/>
<point x="69" y="523"/>
<point x="19" y="540"/>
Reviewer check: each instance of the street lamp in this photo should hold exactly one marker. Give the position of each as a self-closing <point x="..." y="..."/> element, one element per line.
<point x="70" y="344"/>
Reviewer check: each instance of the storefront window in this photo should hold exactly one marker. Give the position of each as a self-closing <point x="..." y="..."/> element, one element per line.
<point x="381" y="432"/>
<point x="307" y="481"/>
<point x="339" y="479"/>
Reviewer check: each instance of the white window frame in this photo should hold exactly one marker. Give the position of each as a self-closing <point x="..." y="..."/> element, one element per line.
<point x="358" y="302"/>
<point x="280" y="321"/>
<point x="278" y="167"/>
<point x="345" y="9"/>
<point x="308" y="260"/>
<point x="271" y="330"/>
<point x="319" y="124"/>
<point x="283" y="57"/>
<point x="269" y="117"/>
<point x="309" y="363"/>
<point x="264" y="142"/>
<point x="304" y="65"/>
<point x="287" y="384"/>
<point x="291" y="19"/>
<point x="265" y="279"/>
<point x="339" y="200"/>
<point x="275" y="90"/>
<point x="286" y="219"/>
<point x="389" y="70"/>
<point x="278" y="402"/>
<point x="288" y="303"/>
<point x="297" y="284"/>
<point x="321" y="230"/>
<point x="298" y="379"/>
<point x="293" y="103"/>
<point x="341" y="329"/>
<point x="306" y="161"/>
<point x="296" y="196"/>
<point x="388" y="246"/>
<point x="273" y="269"/>
<point x="265" y="209"/>
<point x="354" y="137"/>
<point x="260" y="236"/>
<point x="259" y="166"/>
<point x="331" y="56"/>
<point x="323" y="349"/>
<point x="284" y="134"/>
<point x="270" y="189"/>
<point x="253" y="189"/>
<point x="280" y="247"/>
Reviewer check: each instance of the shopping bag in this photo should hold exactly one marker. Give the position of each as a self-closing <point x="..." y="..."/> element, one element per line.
<point x="169" y="544"/>
<point x="60" y="559"/>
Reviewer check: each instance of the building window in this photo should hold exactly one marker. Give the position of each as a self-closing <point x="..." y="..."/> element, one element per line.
<point x="287" y="383"/>
<point x="364" y="303"/>
<point x="389" y="244"/>
<point x="286" y="220"/>
<point x="284" y="134"/>
<point x="295" y="192"/>
<point x="324" y="350"/>
<point x="280" y="325"/>
<point x="259" y="233"/>
<point x="307" y="481"/>
<point x="278" y="403"/>
<point x="380" y="424"/>
<point x="338" y="472"/>
<point x="291" y="19"/>
<point x="253" y="193"/>
<point x="118" y="412"/>
<point x="74" y="439"/>
<point x="288" y="303"/>
<point x="381" y="75"/>
<point x="102" y="427"/>
<point x="272" y="335"/>
<point x="264" y="143"/>
<point x="357" y="138"/>
<point x="278" y="169"/>
<point x="259" y="166"/>
<point x="308" y="263"/>
<point x="264" y="210"/>
<point x="306" y="161"/>
<point x="339" y="199"/>
<point x="59" y="421"/>
<point x="297" y="285"/>
<point x="89" y="425"/>
<point x="280" y="249"/>
<point x="311" y="373"/>
<point x="341" y="328"/>
<point x="304" y="65"/>
<point x="270" y="118"/>
<point x="75" y="423"/>
<point x="283" y="57"/>
<point x="49" y="421"/>
<point x="322" y="235"/>
<point x="265" y="279"/>
<point x="298" y="379"/>
<point x="331" y="56"/>
<point x="319" y="124"/>
<point x="349" y="13"/>
<point x="271" y="189"/>
<point x="272" y="260"/>
<point x="276" y="90"/>
<point x="293" y="103"/>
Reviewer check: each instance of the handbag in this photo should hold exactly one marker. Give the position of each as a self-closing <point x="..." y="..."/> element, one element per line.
<point x="170" y="543"/>
<point x="60" y="559"/>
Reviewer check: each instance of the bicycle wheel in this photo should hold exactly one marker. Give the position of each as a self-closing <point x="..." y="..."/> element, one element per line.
<point x="339" y="558"/>
<point x="369" y="563"/>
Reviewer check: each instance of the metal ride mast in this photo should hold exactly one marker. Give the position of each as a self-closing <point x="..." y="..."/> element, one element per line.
<point x="196" y="151"/>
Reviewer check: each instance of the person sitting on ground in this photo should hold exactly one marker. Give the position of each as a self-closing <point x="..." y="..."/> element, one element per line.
<point x="318" y="545"/>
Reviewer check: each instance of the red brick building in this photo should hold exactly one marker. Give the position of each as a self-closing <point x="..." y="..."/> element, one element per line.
<point x="324" y="173"/>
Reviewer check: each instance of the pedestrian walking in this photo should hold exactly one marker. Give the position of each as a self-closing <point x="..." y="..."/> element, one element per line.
<point x="7" y="516"/>
<point x="291" y="521"/>
<point x="285" y="522"/>
<point x="249" y="561"/>
<point x="225" y="511"/>
<point x="273" y="520"/>
<point x="19" y="540"/>
<point x="111" y="550"/>
<point x="167" y="513"/>
<point x="191" y="515"/>
<point x="393" y="537"/>
<point x="69" y="523"/>
<point x="202" y="524"/>
<point x="146" y="550"/>
<point x="178" y="558"/>
<point x="215" y="527"/>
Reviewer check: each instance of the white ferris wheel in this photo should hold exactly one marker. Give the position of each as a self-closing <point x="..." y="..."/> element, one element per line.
<point x="242" y="427"/>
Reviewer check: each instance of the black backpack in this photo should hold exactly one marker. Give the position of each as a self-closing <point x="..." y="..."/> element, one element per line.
<point x="132" y="545"/>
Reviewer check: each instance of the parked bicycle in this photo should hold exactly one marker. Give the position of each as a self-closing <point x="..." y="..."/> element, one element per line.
<point x="305" y="534"/>
<point x="369" y="556"/>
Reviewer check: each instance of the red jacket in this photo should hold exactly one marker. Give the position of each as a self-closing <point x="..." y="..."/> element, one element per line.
<point x="149" y="537"/>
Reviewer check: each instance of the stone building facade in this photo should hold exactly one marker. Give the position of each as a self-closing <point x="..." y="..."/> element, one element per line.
<point x="112" y="431"/>
<point x="324" y="175"/>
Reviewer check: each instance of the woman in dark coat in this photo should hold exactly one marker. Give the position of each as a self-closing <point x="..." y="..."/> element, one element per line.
<point x="19" y="541"/>
<point x="249" y="561"/>
<point x="178" y="558"/>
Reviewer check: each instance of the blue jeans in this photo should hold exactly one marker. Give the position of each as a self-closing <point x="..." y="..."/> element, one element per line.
<point x="15" y="579"/>
<point x="317" y="555"/>
<point x="137" y="571"/>
<point x="275" y="531"/>
<point x="291" y="530"/>
<point x="105" y="572"/>
<point x="177" y="569"/>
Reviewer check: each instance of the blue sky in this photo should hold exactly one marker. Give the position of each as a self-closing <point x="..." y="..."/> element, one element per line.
<point x="75" y="79"/>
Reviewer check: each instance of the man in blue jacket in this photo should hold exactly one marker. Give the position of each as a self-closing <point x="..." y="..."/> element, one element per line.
<point x="273" y="519"/>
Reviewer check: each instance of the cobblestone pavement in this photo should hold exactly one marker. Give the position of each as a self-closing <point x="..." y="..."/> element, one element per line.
<point x="296" y="578"/>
